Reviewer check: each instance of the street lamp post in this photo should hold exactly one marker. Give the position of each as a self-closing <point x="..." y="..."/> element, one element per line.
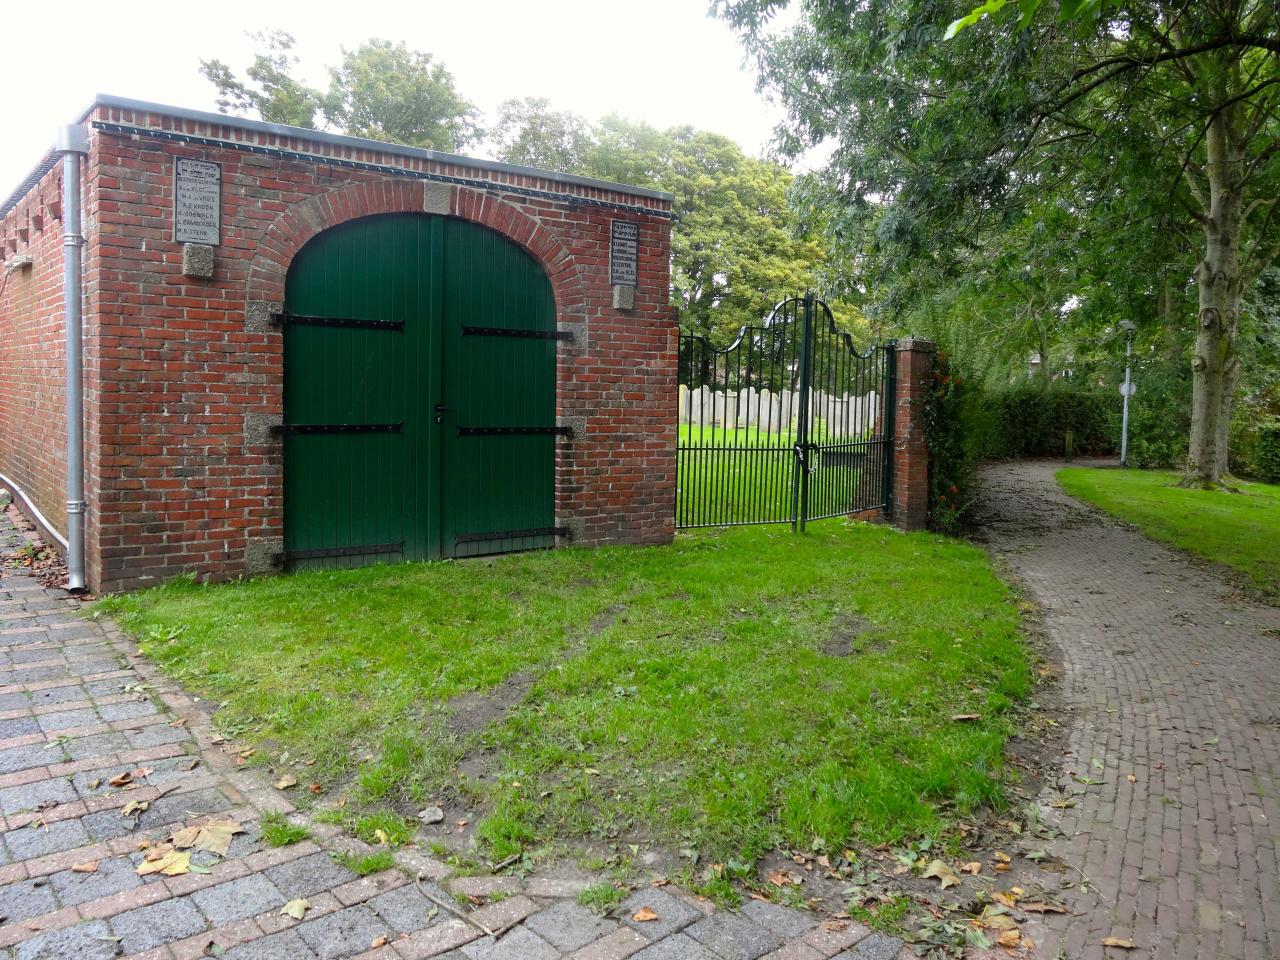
<point x="1127" y="389"/>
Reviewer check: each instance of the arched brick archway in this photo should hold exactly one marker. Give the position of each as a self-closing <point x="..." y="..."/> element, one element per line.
<point x="294" y="227"/>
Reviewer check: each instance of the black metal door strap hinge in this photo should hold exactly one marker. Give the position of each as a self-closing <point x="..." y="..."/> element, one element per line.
<point x="302" y="320"/>
<point x="513" y="431"/>
<point x="512" y="534"/>
<point x="338" y="428"/>
<point x="362" y="550"/>
<point x="519" y="334"/>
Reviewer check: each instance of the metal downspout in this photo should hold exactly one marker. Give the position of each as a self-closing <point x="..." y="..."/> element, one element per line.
<point x="73" y="141"/>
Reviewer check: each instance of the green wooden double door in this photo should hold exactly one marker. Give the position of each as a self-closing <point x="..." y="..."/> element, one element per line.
<point x="419" y="394"/>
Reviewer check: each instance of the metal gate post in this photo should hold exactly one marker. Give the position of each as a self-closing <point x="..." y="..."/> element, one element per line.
<point x="890" y="430"/>
<point x="802" y="421"/>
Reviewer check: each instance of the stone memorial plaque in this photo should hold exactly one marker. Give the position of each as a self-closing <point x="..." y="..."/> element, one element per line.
<point x="623" y="249"/>
<point x="197" y="201"/>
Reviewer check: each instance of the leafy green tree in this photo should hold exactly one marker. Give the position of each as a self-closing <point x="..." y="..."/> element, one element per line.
<point x="738" y="246"/>
<point x="530" y="133"/>
<point x="385" y="91"/>
<point x="270" y="90"/>
<point x="1120" y="112"/>
<point x="381" y="90"/>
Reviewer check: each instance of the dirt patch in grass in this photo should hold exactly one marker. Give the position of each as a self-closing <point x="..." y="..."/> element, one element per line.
<point x="605" y="619"/>
<point x="472" y="712"/>
<point x="847" y="633"/>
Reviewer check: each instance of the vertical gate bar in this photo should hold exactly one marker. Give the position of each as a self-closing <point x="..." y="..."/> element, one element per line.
<point x="802" y="424"/>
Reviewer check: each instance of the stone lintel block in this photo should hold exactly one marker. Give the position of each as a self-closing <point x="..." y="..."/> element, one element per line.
<point x="437" y="198"/>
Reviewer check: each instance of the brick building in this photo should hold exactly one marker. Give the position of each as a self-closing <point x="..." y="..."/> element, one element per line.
<point x="307" y="349"/>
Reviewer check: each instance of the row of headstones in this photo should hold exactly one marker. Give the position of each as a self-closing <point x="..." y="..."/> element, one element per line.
<point x="775" y="412"/>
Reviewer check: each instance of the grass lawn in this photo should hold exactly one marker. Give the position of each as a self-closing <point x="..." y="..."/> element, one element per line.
<point x="736" y="691"/>
<point x="1240" y="530"/>
<point x="746" y="475"/>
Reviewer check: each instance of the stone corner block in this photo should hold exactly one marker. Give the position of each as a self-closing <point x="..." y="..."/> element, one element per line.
<point x="260" y="555"/>
<point x="437" y="198"/>
<point x="577" y="424"/>
<point x="575" y="528"/>
<point x="197" y="260"/>
<point x="624" y="296"/>
<point x="258" y="429"/>
<point x="258" y="314"/>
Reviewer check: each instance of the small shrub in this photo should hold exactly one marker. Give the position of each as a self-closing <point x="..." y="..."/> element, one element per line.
<point x="1267" y="453"/>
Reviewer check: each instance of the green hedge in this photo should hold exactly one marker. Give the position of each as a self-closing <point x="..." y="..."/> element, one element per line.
<point x="1028" y="421"/>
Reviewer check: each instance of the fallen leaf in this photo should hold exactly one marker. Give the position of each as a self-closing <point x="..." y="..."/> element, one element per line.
<point x="213" y="835"/>
<point x="89" y="866"/>
<point x="1131" y="778"/>
<point x="172" y="864"/>
<point x="1004" y="899"/>
<point x="287" y="781"/>
<point x="179" y="722"/>
<point x="1009" y="938"/>
<point x="133" y="807"/>
<point x="189" y="764"/>
<point x="381" y="836"/>
<point x="943" y="873"/>
<point x="833" y="926"/>
<point x="1001" y="867"/>
<point x="958" y="717"/>
<point x="1037" y="855"/>
<point x="1039" y="906"/>
<point x="1002" y="856"/>
<point x="783" y="878"/>
<point x="997" y="921"/>
<point x="316" y="788"/>
<point x="645" y="915"/>
<point x="295" y="908"/>
<point x="94" y="784"/>
<point x="1122" y="942"/>
<point x="120" y="779"/>
<point x="379" y="942"/>
<point x="973" y="868"/>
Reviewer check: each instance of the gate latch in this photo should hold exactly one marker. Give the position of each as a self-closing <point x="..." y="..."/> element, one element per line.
<point x="441" y="410"/>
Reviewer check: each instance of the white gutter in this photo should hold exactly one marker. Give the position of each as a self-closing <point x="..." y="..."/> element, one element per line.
<point x="41" y="520"/>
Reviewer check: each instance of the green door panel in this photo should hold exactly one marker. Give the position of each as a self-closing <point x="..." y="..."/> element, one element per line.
<point x="497" y="487"/>
<point x="411" y="489"/>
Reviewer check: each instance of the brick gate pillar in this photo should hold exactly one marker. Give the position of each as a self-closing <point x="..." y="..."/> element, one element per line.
<point x="909" y="509"/>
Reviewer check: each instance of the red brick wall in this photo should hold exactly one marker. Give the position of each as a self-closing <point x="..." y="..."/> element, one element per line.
<point x="910" y="445"/>
<point x="32" y="351"/>
<point x="178" y="478"/>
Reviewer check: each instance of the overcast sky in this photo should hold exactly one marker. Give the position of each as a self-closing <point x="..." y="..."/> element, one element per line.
<point x="662" y="61"/>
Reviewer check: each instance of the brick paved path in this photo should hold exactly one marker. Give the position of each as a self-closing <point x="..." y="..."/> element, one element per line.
<point x="78" y="707"/>
<point x="1174" y="680"/>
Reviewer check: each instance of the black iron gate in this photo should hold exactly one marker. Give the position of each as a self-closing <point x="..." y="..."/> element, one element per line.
<point x="789" y="423"/>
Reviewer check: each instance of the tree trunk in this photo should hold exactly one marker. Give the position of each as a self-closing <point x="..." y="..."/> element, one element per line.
<point x="1046" y="375"/>
<point x="1215" y="367"/>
